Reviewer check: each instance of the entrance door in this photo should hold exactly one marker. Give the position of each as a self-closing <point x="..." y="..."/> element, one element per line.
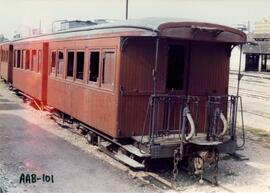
<point x="175" y="68"/>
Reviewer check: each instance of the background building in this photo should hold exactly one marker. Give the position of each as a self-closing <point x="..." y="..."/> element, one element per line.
<point x="256" y="52"/>
<point x="262" y="27"/>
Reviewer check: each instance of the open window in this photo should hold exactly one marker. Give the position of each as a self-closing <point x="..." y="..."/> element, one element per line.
<point x="94" y="66"/>
<point x="53" y="61"/>
<point x="175" y="68"/>
<point x="33" y="66"/>
<point x="60" y="63"/>
<point x="80" y="65"/>
<point x="70" y="63"/>
<point x="107" y="76"/>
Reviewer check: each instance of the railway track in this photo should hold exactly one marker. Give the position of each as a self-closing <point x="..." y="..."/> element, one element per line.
<point x="156" y="176"/>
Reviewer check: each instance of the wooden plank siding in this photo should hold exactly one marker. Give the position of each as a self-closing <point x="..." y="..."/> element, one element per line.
<point x="93" y="104"/>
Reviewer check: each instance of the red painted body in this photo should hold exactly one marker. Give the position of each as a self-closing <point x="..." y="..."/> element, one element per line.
<point x="31" y="81"/>
<point x="119" y="109"/>
<point x="6" y="57"/>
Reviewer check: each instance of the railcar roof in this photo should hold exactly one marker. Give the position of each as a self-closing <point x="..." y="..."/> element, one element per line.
<point x="153" y="27"/>
<point x="4" y="42"/>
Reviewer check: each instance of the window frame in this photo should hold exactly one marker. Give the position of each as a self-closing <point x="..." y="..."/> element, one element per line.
<point x="33" y="63"/>
<point x="15" y="59"/>
<point x="76" y="65"/>
<point x="72" y="78"/>
<point x="39" y="60"/>
<point x="19" y="58"/>
<point x="104" y="85"/>
<point x="51" y="73"/>
<point x="185" y="67"/>
<point x="59" y="75"/>
<point x="29" y="59"/>
<point x="92" y="83"/>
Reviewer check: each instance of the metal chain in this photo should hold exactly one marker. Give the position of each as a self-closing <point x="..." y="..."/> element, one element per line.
<point x="176" y="158"/>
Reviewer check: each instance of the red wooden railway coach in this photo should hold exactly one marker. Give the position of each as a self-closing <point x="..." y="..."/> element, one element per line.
<point x="30" y="68"/>
<point x="160" y="84"/>
<point x="6" y="56"/>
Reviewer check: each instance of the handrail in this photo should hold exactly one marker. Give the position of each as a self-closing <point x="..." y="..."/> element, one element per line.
<point x="225" y="125"/>
<point x="192" y="126"/>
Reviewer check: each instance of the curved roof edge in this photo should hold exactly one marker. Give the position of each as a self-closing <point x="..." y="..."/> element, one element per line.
<point x="163" y="27"/>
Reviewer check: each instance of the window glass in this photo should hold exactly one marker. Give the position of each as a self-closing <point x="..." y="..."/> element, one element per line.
<point x="70" y="63"/>
<point x="108" y="68"/>
<point x="94" y="66"/>
<point x="60" y="63"/>
<point x="15" y="59"/>
<point x="80" y="65"/>
<point x="23" y="59"/>
<point x="53" y="61"/>
<point x="27" y="59"/>
<point x="18" y="58"/>
<point x="34" y="61"/>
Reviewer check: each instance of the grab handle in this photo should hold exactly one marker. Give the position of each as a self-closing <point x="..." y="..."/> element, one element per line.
<point x="192" y="126"/>
<point x="225" y="125"/>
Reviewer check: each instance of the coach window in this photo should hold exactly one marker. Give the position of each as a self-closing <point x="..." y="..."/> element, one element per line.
<point x="18" y="58"/>
<point x="60" y="63"/>
<point x="27" y="60"/>
<point x="70" y="63"/>
<point x="23" y="59"/>
<point x="15" y="59"/>
<point x="108" y="63"/>
<point x="39" y="61"/>
<point x="94" y="66"/>
<point x="53" y="61"/>
<point x="34" y="61"/>
<point x="80" y="65"/>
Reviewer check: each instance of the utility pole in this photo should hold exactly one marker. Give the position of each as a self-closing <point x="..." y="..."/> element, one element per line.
<point x="39" y="27"/>
<point x="126" y="9"/>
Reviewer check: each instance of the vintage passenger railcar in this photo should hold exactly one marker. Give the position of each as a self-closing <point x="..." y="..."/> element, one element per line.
<point x="6" y="57"/>
<point x="155" y="88"/>
<point x="30" y="68"/>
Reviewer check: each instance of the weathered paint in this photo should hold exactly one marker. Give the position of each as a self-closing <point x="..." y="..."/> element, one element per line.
<point x="31" y="82"/>
<point x="6" y="66"/>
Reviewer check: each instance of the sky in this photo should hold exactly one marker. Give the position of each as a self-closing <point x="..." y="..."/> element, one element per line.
<point x="21" y="14"/>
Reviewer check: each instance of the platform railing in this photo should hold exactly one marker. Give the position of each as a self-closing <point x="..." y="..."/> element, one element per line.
<point x="180" y="116"/>
<point x="220" y="108"/>
<point x="168" y="114"/>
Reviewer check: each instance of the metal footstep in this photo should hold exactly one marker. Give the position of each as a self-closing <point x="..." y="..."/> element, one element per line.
<point x="134" y="150"/>
<point x="119" y="156"/>
<point x="128" y="161"/>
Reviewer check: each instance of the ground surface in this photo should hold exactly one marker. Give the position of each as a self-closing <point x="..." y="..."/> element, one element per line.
<point x="30" y="142"/>
<point x="255" y="92"/>
<point x="26" y="147"/>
